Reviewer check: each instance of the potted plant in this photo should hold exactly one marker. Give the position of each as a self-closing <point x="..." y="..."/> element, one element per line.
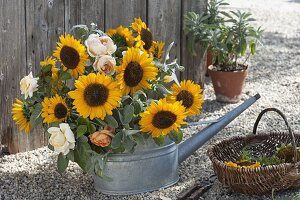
<point x="232" y="45"/>
<point x="197" y="27"/>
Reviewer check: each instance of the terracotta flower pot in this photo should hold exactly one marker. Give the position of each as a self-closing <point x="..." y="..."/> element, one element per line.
<point x="228" y="86"/>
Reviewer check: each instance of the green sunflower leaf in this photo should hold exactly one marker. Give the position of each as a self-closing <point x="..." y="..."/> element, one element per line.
<point x="116" y="141"/>
<point x="138" y="138"/>
<point x="91" y="128"/>
<point x="81" y="152"/>
<point x="159" y="140"/>
<point x="129" y="144"/>
<point x="62" y="163"/>
<point x="35" y="117"/>
<point x="127" y="114"/>
<point x="111" y="121"/>
<point x="65" y="75"/>
<point x="176" y="136"/>
<point x="46" y="68"/>
<point x="70" y="155"/>
<point x="131" y="132"/>
<point x="81" y="130"/>
<point x="82" y="121"/>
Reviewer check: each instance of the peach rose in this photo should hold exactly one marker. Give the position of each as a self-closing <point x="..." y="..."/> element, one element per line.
<point x="105" y="64"/>
<point x="101" y="138"/>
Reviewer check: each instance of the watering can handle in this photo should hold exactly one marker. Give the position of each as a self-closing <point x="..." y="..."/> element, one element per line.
<point x="291" y="134"/>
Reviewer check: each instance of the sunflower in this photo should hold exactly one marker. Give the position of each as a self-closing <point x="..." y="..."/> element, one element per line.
<point x="72" y="54"/>
<point x="21" y="115"/>
<point x="48" y="61"/>
<point x="242" y="164"/>
<point x="158" y="49"/>
<point x="144" y="36"/>
<point x="161" y="118"/>
<point x="121" y="36"/>
<point x="56" y="84"/>
<point x="54" y="109"/>
<point x="135" y="72"/>
<point x="96" y="95"/>
<point x="190" y="94"/>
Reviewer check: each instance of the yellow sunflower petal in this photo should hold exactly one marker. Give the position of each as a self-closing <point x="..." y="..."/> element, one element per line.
<point x="190" y="94"/>
<point x="161" y="118"/>
<point x="19" y="115"/>
<point x="95" y="95"/>
<point x="72" y="54"/>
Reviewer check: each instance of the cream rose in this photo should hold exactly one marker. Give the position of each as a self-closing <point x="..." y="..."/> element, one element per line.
<point x="99" y="46"/>
<point x="105" y="64"/>
<point x="101" y="138"/>
<point x="28" y="85"/>
<point x="62" y="138"/>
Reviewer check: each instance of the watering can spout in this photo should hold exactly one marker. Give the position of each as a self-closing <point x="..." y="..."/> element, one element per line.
<point x="189" y="146"/>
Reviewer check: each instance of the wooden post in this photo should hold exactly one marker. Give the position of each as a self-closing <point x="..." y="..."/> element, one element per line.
<point x="195" y="66"/>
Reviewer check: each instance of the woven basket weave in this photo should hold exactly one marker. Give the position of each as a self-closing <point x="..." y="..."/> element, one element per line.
<point x="262" y="179"/>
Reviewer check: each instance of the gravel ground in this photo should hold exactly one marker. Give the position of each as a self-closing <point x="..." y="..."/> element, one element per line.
<point x="274" y="73"/>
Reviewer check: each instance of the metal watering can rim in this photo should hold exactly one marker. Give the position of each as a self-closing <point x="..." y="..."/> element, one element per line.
<point x="189" y="146"/>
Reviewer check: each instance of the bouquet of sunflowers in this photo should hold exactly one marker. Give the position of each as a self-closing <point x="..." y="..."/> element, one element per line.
<point x="104" y="93"/>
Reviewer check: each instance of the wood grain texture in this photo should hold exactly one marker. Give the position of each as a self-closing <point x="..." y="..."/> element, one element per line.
<point x="44" y="24"/>
<point x="12" y="67"/>
<point x="122" y="12"/>
<point x="195" y="66"/>
<point x="164" y="21"/>
<point x="84" y="12"/>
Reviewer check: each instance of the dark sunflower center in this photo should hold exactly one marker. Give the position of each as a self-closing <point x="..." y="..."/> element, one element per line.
<point x="60" y="111"/>
<point x="133" y="74"/>
<point x="95" y="94"/>
<point x="146" y="36"/>
<point x="186" y="97"/>
<point x="69" y="57"/>
<point x="163" y="119"/>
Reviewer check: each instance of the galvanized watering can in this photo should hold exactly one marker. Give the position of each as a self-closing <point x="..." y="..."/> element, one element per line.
<point x="152" y="167"/>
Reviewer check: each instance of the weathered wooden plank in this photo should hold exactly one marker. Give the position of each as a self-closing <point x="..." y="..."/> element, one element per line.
<point x="194" y="65"/>
<point x="122" y="12"/>
<point x="165" y="22"/>
<point x="44" y="24"/>
<point x="12" y="66"/>
<point x="84" y="12"/>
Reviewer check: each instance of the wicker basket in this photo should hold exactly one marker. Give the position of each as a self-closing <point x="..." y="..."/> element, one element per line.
<point x="262" y="179"/>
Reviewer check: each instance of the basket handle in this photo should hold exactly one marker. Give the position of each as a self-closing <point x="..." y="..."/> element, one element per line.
<point x="291" y="134"/>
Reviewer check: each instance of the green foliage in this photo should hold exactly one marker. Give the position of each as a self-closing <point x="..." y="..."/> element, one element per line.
<point x="246" y="155"/>
<point x="111" y="121"/>
<point x="159" y="140"/>
<point x="81" y="130"/>
<point x="273" y="160"/>
<point x="62" y="163"/>
<point x="82" y="152"/>
<point x="229" y="35"/>
<point x="176" y="136"/>
<point x="233" y="39"/>
<point x="35" y="117"/>
<point x="127" y="114"/>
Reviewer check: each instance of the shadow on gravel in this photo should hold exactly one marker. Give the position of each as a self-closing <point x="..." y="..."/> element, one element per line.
<point x="278" y="58"/>
<point x="212" y="105"/>
<point x="294" y="1"/>
<point x="46" y="183"/>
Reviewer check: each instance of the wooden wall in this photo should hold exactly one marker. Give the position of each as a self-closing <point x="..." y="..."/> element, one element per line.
<point x="30" y="28"/>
